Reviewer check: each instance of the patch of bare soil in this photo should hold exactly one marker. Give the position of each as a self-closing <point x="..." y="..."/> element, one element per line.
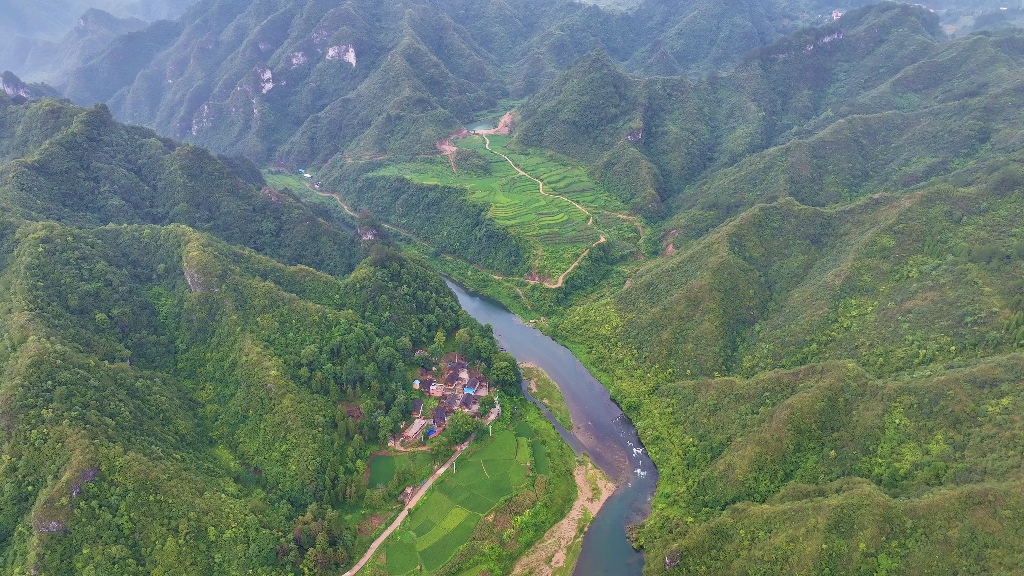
<point x="504" y="127"/>
<point x="564" y="539"/>
<point x="370" y="525"/>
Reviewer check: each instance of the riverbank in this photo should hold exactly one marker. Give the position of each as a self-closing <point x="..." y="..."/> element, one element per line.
<point x="557" y="552"/>
<point x="544" y="389"/>
<point x="600" y="430"/>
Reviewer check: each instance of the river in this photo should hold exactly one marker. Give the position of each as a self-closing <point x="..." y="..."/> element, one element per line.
<point x="600" y="430"/>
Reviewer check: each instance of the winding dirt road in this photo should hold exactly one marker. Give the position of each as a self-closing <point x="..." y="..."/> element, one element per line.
<point x="504" y="128"/>
<point x="487" y="144"/>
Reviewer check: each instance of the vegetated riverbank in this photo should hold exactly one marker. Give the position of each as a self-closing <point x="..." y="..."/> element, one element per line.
<point x="600" y="430"/>
<point x="558" y="550"/>
<point x="546" y="391"/>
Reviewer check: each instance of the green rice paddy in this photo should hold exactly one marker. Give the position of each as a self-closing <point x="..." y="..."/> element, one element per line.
<point x="446" y="518"/>
<point x="384" y="466"/>
<point x="556" y="231"/>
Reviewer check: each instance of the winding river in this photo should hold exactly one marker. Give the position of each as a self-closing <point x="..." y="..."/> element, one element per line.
<point x="600" y="429"/>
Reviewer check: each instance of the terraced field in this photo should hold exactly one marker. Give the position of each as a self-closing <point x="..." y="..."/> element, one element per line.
<point x="558" y="227"/>
<point x="446" y="518"/>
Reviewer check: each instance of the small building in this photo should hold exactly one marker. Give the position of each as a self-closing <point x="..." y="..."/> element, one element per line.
<point x="415" y="384"/>
<point x="417" y="408"/>
<point x="415" y="430"/>
<point x="440" y="417"/>
<point x="407" y="494"/>
<point x="470" y="387"/>
<point x="451" y="379"/>
<point x="451" y="403"/>
<point x="436" y="390"/>
<point x="468" y="402"/>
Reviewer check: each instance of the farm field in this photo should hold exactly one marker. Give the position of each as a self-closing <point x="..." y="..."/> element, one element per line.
<point x="506" y="490"/>
<point x="384" y="467"/>
<point x="444" y="520"/>
<point x="556" y="230"/>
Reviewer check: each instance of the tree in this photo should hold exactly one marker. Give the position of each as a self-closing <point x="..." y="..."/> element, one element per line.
<point x="505" y="373"/>
<point x="487" y="404"/>
<point x="437" y="349"/>
<point x="460" y="426"/>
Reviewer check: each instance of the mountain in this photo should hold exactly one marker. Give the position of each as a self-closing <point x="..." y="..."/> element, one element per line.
<point x="687" y="132"/>
<point x="51" y="19"/>
<point x="300" y="82"/>
<point x="823" y="353"/>
<point x="80" y="167"/>
<point x="44" y="41"/>
<point x="194" y="367"/>
<point x="16" y="88"/>
<point x="51" y="60"/>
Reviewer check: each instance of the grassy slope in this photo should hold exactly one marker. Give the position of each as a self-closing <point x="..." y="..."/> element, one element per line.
<point x="556" y="231"/>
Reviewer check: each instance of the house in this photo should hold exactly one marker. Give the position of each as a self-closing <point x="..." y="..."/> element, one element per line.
<point x="451" y="402"/>
<point x="407" y="494"/>
<point x="417" y="407"/>
<point x="470" y="387"/>
<point x="468" y="402"/>
<point x="452" y="379"/>
<point x="440" y="417"/>
<point x="416" y="429"/>
<point x="436" y="390"/>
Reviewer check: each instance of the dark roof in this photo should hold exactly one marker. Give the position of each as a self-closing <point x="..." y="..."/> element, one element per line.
<point x="473" y="383"/>
<point x="417" y="405"/>
<point x="429" y="382"/>
<point x="452" y="401"/>
<point x="440" y="416"/>
<point x="452" y="378"/>
<point x="468" y="400"/>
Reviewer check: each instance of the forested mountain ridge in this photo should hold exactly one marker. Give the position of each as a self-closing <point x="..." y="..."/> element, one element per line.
<point x="174" y="403"/>
<point x="823" y="357"/>
<point x="299" y="82"/>
<point x="690" y="133"/>
<point x="81" y="167"/>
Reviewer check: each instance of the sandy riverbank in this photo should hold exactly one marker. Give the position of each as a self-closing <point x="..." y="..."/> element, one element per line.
<point x="558" y="550"/>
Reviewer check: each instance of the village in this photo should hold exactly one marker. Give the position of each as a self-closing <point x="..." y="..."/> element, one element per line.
<point x="451" y="387"/>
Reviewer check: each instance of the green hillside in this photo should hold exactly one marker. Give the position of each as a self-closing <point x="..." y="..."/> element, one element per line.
<point x="820" y="350"/>
<point x="795" y="261"/>
<point x="81" y="167"/>
<point x="298" y="82"/>
<point x="172" y="399"/>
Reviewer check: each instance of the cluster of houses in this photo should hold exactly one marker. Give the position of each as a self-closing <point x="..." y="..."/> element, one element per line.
<point x="458" y="389"/>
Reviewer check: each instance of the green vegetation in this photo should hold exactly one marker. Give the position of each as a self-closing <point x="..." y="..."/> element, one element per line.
<point x="492" y="507"/>
<point x="397" y="469"/>
<point x="280" y="84"/>
<point x="816" y="328"/>
<point x="553" y="230"/>
<point x="175" y="402"/>
<point x="544" y="389"/>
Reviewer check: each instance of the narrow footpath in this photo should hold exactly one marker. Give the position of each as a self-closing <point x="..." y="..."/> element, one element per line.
<point x="540" y="184"/>
<point x="487" y="144"/>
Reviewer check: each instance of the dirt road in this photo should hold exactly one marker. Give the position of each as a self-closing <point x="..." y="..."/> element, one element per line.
<point x="415" y="499"/>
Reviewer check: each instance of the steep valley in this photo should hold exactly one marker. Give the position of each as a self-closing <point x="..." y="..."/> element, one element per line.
<point x="787" y="242"/>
